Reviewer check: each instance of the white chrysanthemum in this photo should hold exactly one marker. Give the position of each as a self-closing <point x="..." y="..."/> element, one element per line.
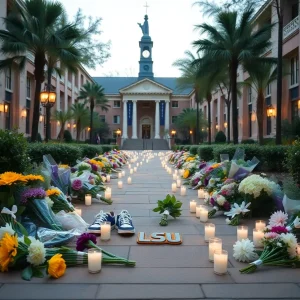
<point x="244" y="251"/>
<point x="221" y="200"/>
<point x="291" y="241"/>
<point x="49" y="202"/>
<point x="297" y="222"/>
<point x="36" y="253"/>
<point x="6" y="229"/>
<point x="278" y="218"/>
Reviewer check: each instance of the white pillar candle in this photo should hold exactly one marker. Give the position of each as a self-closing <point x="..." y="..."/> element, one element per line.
<point x="120" y="184"/>
<point x="174" y="187"/>
<point x="178" y="182"/>
<point x="242" y="233"/>
<point x="203" y="215"/>
<point x="129" y="166"/>
<point x="123" y="173"/>
<point x="119" y="175"/>
<point x="176" y="172"/>
<point x="260" y="225"/>
<point x="206" y="195"/>
<point x="107" y="193"/>
<point x="257" y="238"/>
<point x="200" y="193"/>
<point x="88" y="199"/>
<point x="298" y="250"/>
<point x="137" y="164"/>
<point x="214" y="244"/>
<point x="131" y="171"/>
<point x="135" y="169"/>
<point x="193" y="205"/>
<point x="198" y="209"/>
<point x="105" y="231"/>
<point x="220" y="262"/>
<point x="183" y="191"/>
<point x="94" y="260"/>
<point x="141" y="163"/>
<point x="209" y="232"/>
<point x="107" y="178"/>
<point x="129" y="180"/>
<point x="78" y="211"/>
<point x="174" y="177"/>
<point x="181" y="172"/>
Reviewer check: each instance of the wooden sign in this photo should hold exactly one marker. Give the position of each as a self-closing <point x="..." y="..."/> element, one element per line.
<point x="159" y="238"/>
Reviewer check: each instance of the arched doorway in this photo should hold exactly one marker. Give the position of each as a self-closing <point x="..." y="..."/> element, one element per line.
<point x="146" y="127"/>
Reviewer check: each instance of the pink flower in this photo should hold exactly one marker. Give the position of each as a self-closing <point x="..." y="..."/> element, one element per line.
<point x="279" y="229"/>
<point x="76" y="184"/>
<point x="271" y="235"/>
<point x="278" y="218"/>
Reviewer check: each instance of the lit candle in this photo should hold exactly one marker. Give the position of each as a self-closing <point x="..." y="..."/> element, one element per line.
<point x="88" y="199"/>
<point x="175" y="172"/>
<point x="141" y="163"/>
<point x="198" y="208"/>
<point x="181" y="172"/>
<point x="137" y="164"/>
<point x="123" y="173"/>
<point x="107" y="178"/>
<point x="260" y="225"/>
<point x="129" y="181"/>
<point x="193" y="205"/>
<point x="105" y="231"/>
<point x="174" y="177"/>
<point x="178" y="181"/>
<point x="200" y="193"/>
<point x="214" y="244"/>
<point x="220" y="262"/>
<point x="131" y="171"/>
<point x="174" y="187"/>
<point x="257" y="238"/>
<point x="78" y="211"/>
<point x="183" y="191"/>
<point x="203" y="215"/>
<point x="119" y="175"/>
<point x="242" y="233"/>
<point x="120" y="184"/>
<point x="210" y="230"/>
<point x="135" y="169"/>
<point x="107" y="193"/>
<point x="206" y="195"/>
<point x="298" y="250"/>
<point x="94" y="260"/>
<point x="129" y="166"/>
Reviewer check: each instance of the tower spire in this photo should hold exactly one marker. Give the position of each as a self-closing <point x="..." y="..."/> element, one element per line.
<point x="146" y="7"/>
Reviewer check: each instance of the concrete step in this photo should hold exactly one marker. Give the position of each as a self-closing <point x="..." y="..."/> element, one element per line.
<point x="146" y="144"/>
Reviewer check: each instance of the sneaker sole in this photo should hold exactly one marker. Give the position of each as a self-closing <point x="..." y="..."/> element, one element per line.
<point x="95" y="231"/>
<point x="121" y="231"/>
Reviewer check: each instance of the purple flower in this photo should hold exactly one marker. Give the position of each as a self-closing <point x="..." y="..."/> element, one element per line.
<point x="94" y="167"/>
<point x="73" y="170"/>
<point x="279" y="229"/>
<point x="34" y="193"/>
<point x="196" y="181"/>
<point x="202" y="165"/>
<point x="226" y="206"/>
<point x="82" y="241"/>
<point x="212" y="201"/>
<point x="206" y="180"/>
<point x="115" y="166"/>
<point x="76" y="184"/>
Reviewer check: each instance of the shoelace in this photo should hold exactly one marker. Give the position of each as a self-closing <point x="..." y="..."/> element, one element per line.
<point x="101" y="217"/>
<point x="125" y="218"/>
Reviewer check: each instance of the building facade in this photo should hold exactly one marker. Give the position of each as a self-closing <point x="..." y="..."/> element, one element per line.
<point x="247" y="101"/>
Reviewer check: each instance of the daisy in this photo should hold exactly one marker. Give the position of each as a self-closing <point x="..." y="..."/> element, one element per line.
<point x="278" y="218"/>
<point x="237" y="210"/>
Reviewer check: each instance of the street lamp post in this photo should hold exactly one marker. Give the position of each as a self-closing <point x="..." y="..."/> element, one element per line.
<point x="48" y="99"/>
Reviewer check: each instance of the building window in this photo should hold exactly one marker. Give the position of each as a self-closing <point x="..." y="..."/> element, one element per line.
<point x="28" y="86"/>
<point x="102" y="118"/>
<point x="8" y="79"/>
<point x="175" y="104"/>
<point x="117" y="104"/>
<point x="249" y="119"/>
<point x="7" y="115"/>
<point x="116" y="120"/>
<point x="27" y="121"/>
<point x="295" y="109"/>
<point x="268" y="90"/>
<point x="295" y="10"/>
<point x="294" y="70"/>
<point x="269" y="119"/>
<point x="174" y="118"/>
<point x="249" y="94"/>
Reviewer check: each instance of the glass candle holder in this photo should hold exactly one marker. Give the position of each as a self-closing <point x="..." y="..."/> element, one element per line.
<point x="200" y="193"/>
<point x="209" y="231"/>
<point x="183" y="191"/>
<point x="242" y="233"/>
<point x="94" y="260"/>
<point x="193" y="205"/>
<point x="107" y="193"/>
<point x="123" y="173"/>
<point x="174" y="187"/>
<point x="107" y="178"/>
<point x="119" y="175"/>
<point x="220" y="262"/>
<point x="120" y="184"/>
<point x="203" y="215"/>
<point x="105" y="231"/>
<point x="129" y="180"/>
<point x="213" y="245"/>
<point x="198" y="208"/>
<point x="178" y="182"/>
<point x="258" y="235"/>
<point x="135" y="169"/>
<point x="260" y="225"/>
<point x="174" y="176"/>
<point x="131" y="171"/>
<point x="88" y="199"/>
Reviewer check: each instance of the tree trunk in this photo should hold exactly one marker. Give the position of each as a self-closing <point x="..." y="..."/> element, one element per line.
<point x="197" y="119"/>
<point x="228" y="120"/>
<point x="78" y="128"/>
<point x="48" y="108"/>
<point x="91" y="121"/>
<point x="279" y="79"/>
<point x="39" y="63"/>
<point x="61" y="133"/>
<point x="260" y="116"/>
<point x="233" y="82"/>
<point x="209" y="117"/>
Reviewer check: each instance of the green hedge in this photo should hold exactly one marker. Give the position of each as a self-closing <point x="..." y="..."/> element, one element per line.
<point x="65" y="153"/>
<point x="206" y="152"/>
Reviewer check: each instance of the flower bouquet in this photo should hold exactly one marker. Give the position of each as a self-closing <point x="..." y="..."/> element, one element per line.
<point x="58" y="200"/>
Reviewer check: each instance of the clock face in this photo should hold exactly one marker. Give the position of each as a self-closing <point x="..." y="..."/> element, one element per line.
<point x="146" y="68"/>
<point x="146" y="53"/>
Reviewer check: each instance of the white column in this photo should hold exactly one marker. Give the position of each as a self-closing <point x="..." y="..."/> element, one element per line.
<point x="66" y="91"/>
<point x="157" y="120"/>
<point x="134" y="125"/>
<point x="167" y="116"/>
<point x="124" y="136"/>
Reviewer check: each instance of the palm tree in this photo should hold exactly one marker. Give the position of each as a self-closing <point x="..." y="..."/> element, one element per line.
<point x="80" y="116"/>
<point x="93" y="93"/>
<point x="233" y="42"/>
<point x="261" y="75"/>
<point x="62" y="117"/>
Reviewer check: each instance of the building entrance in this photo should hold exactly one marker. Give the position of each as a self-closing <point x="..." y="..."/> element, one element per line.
<point x="146" y="129"/>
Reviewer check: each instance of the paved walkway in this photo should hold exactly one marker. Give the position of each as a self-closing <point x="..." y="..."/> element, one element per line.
<point x="162" y="272"/>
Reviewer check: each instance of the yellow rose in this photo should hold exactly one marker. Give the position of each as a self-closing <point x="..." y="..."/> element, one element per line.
<point x="186" y="174"/>
<point x="56" y="266"/>
<point x="8" y="249"/>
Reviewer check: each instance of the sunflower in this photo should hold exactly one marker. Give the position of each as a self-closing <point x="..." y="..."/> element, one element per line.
<point x="8" y="250"/>
<point x="52" y="192"/>
<point x="186" y="174"/>
<point x="9" y="178"/>
<point x="62" y="166"/>
<point x="190" y="159"/>
<point x="97" y="163"/>
<point x="32" y="177"/>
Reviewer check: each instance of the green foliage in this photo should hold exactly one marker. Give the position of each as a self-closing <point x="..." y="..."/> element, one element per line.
<point x="90" y="151"/>
<point x="13" y="152"/>
<point x="291" y="130"/>
<point x="293" y="161"/>
<point x="248" y="141"/>
<point x="206" y="152"/>
<point x="193" y="149"/>
<point x="291" y="189"/>
<point x="220" y="137"/>
<point x="68" y="136"/>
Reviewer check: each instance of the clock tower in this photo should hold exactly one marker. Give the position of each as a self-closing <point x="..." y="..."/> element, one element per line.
<point x="146" y="63"/>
